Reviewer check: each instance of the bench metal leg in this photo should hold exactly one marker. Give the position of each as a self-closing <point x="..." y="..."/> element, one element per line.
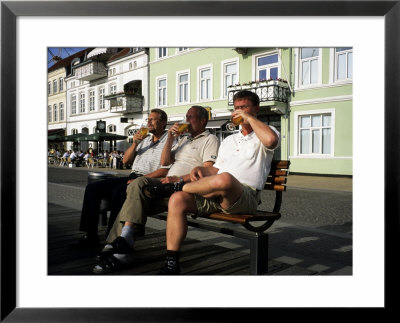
<point x="259" y="254"/>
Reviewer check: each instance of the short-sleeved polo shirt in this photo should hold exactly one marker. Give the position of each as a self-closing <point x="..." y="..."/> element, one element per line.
<point x="191" y="152"/>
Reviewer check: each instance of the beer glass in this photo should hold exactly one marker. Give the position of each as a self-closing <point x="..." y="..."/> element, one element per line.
<point x="235" y="121"/>
<point x="183" y="126"/>
<point x="144" y="129"/>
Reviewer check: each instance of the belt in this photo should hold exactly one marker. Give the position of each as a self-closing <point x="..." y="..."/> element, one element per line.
<point x="133" y="175"/>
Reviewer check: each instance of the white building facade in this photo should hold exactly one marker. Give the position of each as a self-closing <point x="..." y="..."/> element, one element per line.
<point x="109" y="84"/>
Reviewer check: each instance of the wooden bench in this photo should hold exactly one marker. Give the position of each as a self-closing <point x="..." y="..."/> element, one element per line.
<point x="255" y="225"/>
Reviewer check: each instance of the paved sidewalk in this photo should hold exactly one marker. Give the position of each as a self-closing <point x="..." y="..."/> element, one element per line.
<point x="335" y="183"/>
<point x="321" y="182"/>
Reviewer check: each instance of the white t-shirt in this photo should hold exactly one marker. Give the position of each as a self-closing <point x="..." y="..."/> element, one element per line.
<point x="246" y="158"/>
<point x="192" y="152"/>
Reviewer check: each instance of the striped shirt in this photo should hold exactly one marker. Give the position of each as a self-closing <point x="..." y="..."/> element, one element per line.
<point x="148" y="155"/>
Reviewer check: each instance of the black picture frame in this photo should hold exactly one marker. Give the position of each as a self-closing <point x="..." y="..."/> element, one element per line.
<point x="10" y="10"/>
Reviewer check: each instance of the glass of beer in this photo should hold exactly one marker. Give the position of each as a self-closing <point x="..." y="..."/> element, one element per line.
<point x="183" y="126"/>
<point x="144" y="130"/>
<point x="235" y="121"/>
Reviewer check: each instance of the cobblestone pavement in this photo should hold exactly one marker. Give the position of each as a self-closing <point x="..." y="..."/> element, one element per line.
<point x="329" y="207"/>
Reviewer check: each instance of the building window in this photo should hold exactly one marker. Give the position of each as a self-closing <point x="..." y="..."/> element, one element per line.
<point x="131" y="133"/>
<point x="82" y="107"/>
<point x="267" y="67"/>
<point x="91" y="100"/>
<point x="182" y="49"/>
<point x="61" y="111"/>
<point x="101" y="99"/>
<point x="61" y="81"/>
<point x="113" y="88"/>
<point x="49" y="119"/>
<point x="344" y="63"/>
<point x="135" y="64"/>
<point x="230" y="76"/>
<point x="112" y="128"/>
<point x="54" y="86"/>
<point x="315" y="134"/>
<point x="162" y="92"/>
<point x="183" y="88"/>
<point x="130" y="66"/>
<point x="162" y="52"/>
<point x="309" y="62"/>
<point x="73" y="104"/>
<point x="55" y="112"/>
<point x="48" y="88"/>
<point x="74" y="131"/>
<point x="205" y="84"/>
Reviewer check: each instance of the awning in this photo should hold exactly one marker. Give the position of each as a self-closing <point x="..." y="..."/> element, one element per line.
<point x="97" y="51"/>
<point x="102" y="136"/>
<point x="212" y="124"/>
<point x="58" y="131"/>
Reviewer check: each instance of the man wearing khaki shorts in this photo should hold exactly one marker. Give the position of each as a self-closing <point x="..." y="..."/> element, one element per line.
<point x="232" y="185"/>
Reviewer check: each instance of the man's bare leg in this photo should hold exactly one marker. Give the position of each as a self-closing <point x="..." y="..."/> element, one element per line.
<point x="224" y="185"/>
<point x="179" y="204"/>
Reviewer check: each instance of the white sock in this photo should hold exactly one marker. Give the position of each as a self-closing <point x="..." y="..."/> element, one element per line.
<point x="127" y="233"/>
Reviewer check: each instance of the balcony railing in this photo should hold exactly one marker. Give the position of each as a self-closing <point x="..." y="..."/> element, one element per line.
<point x="267" y="91"/>
<point x="90" y="71"/>
<point x="125" y="102"/>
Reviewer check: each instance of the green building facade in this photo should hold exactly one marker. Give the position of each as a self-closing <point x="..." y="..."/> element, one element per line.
<point x="306" y="93"/>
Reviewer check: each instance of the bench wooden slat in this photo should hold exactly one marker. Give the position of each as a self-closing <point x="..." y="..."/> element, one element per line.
<point x="276" y="180"/>
<point x="278" y="172"/>
<point x="280" y="164"/>
<point x="236" y="218"/>
<point x="275" y="187"/>
<point x="243" y="218"/>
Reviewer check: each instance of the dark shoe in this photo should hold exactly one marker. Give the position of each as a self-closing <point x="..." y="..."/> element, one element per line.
<point x="86" y="242"/>
<point x="160" y="191"/>
<point x="171" y="267"/>
<point x="119" y="245"/>
<point x="109" y="265"/>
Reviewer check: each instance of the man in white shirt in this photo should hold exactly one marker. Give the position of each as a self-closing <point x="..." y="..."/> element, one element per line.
<point x="232" y="185"/>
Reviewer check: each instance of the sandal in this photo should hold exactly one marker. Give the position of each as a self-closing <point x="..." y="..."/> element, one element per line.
<point x="109" y="265"/>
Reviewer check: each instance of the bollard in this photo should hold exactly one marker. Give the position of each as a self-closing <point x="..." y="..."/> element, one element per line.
<point x="97" y="176"/>
<point x="104" y="206"/>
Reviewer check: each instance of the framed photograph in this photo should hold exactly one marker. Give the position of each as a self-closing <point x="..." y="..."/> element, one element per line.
<point x="29" y="27"/>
